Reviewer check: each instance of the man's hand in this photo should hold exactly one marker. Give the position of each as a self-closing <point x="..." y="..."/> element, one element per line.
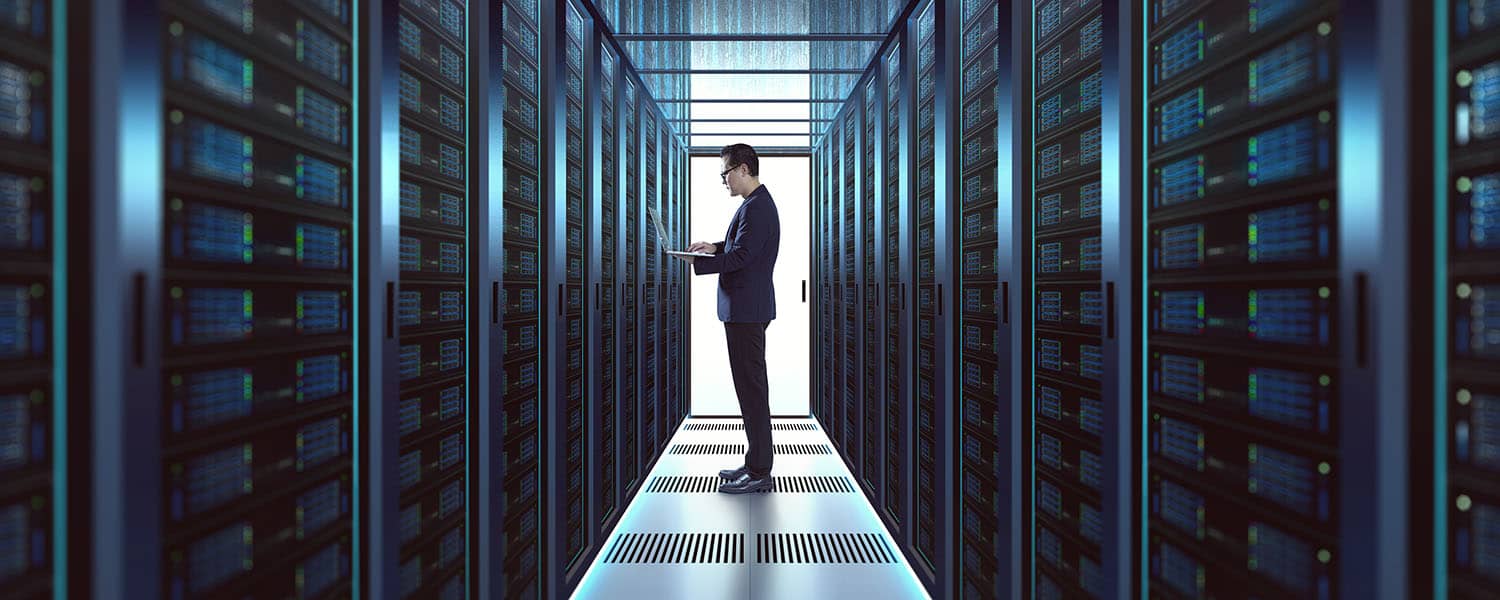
<point x="702" y="247"/>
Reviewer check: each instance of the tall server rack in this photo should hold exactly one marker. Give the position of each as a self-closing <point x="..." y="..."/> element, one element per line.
<point x="605" y="212"/>
<point x="849" y="274"/>
<point x="32" y="416"/>
<point x="895" y="233"/>
<point x="636" y="461"/>
<point x="872" y="404"/>
<point x="569" y="533"/>
<point x="1468" y="300"/>
<point x="1069" y="495"/>
<point x="518" y="543"/>
<point x="431" y="301"/>
<point x="1243" y="299"/>
<point x="985" y="499"/>
<point x="930" y="419"/>
<point x="823" y="317"/>
<point x="651" y="265"/>
<point x="248" y="436"/>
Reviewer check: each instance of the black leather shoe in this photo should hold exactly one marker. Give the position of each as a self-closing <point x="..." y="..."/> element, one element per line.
<point x="747" y="484"/>
<point x="733" y="474"/>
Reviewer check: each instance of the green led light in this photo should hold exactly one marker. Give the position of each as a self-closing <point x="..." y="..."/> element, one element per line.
<point x="1324" y="468"/>
<point x="1324" y="116"/>
<point x="1463" y="397"/>
<point x="1463" y="185"/>
<point x="1463" y="291"/>
<point x="1325" y="28"/>
<point x="175" y="28"/>
<point x="1464" y="78"/>
<point x="1324" y="380"/>
<point x="1324" y="292"/>
<point x="1464" y="503"/>
<point x="1324" y="556"/>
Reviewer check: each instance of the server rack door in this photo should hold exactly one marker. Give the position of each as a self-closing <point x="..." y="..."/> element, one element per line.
<point x="520" y="491"/>
<point x="1068" y="535"/>
<point x="636" y="461"/>
<point x="605" y="212"/>
<point x="1467" y="300"/>
<point x="650" y="259"/>
<point x="33" y="407"/>
<point x="986" y="505"/>
<point x="853" y="261"/>
<point x="569" y="455"/>
<point x="930" y="423"/>
<point x="835" y="209"/>
<point x="1283" y="471"/>
<point x="431" y="299"/>
<point x="229" y="412"/>
<point x="896" y="206"/>
<point x="871" y="404"/>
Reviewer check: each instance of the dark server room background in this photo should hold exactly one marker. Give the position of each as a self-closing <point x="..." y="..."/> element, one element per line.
<point x="1108" y="298"/>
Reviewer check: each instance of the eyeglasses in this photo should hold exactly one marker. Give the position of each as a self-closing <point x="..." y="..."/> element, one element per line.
<point x="724" y="175"/>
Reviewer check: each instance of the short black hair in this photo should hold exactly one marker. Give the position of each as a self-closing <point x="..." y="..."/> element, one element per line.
<point x="742" y="154"/>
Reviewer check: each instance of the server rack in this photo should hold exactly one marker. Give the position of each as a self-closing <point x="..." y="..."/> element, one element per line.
<point x="605" y="212"/>
<point x="872" y="404"/>
<point x="247" y="443"/>
<point x="569" y="457"/>
<point x="1247" y="419"/>
<point x="431" y="331"/>
<point x="1071" y="500"/>
<point x="32" y="407"/>
<point x="517" y="545"/>
<point x="984" y="505"/>
<point x="651" y="269"/>
<point x="849" y="256"/>
<point x="930" y="419"/>
<point x="896" y="209"/>
<point x="1467" y="301"/>
<point x="636" y="462"/>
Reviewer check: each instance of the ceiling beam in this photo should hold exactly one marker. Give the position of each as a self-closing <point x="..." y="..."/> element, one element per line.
<point x="750" y="101"/>
<point x="750" y="37"/>
<point x="750" y="71"/>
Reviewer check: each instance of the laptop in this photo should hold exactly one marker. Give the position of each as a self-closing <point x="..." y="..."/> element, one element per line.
<point x="661" y="237"/>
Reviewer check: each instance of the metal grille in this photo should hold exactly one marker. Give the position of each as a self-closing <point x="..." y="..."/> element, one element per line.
<point x="694" y="484"/>
<point x="658" y="548"/>
<point x="708" y="449"/>
<point x="828" y="548"/>
<point x="803" y="449"/>
<point x="741" y="427"/>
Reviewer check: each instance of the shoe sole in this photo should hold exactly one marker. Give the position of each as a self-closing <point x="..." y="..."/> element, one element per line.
<point x="744" y="490"/>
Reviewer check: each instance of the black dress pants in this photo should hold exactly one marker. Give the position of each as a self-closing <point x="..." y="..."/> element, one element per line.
<point x="747" y="364"/>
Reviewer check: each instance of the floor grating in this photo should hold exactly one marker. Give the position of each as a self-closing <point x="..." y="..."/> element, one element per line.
<point x="677" y="548"/>
<point x="822" y="548"/>
<point x="793" y="484"/>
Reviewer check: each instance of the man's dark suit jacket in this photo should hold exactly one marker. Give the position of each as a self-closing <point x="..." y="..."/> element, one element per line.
<point x="744" y="261"/>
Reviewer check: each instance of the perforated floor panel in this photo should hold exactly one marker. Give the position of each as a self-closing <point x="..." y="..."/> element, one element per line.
<point x="814" y="534"/>
<point x="788" y="484"/>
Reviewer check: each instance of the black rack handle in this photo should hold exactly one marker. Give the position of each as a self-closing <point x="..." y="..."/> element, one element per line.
<point x="390" y="309"/>
<point x="1109" y="297"/>
<point x="804" y="291"/>
<point x="138" y="317"/>
<point x="495" y="302"/>
<point x="1361" y="318"/>
<point x="1005" y="302"/>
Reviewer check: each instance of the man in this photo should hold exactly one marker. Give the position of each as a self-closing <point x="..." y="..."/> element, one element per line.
<point x="747" y="304"/>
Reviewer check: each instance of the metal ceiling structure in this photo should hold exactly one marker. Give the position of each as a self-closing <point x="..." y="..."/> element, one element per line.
<point x="771" y="73"/>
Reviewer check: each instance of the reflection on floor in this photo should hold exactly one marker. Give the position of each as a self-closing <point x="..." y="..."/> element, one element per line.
<point x="815" y="536"/>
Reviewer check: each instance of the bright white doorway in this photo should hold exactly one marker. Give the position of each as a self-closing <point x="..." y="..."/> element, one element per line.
<point x="787" y="367"/>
